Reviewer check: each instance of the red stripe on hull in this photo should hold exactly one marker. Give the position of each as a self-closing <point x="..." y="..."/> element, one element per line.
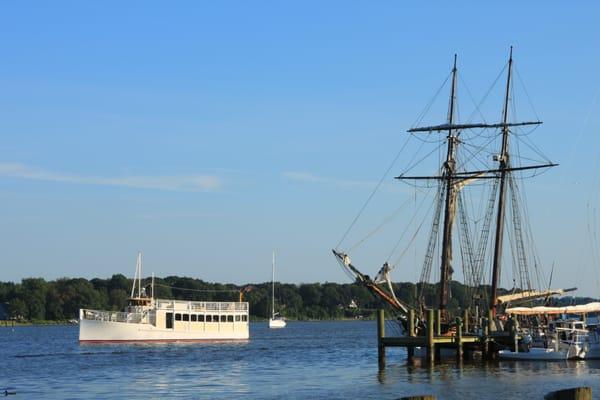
<point x="163" y="341"/>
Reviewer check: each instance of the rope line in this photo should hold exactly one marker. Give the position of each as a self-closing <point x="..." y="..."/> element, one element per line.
<point x="200" y="290"/>
<point x="362" y="209"/>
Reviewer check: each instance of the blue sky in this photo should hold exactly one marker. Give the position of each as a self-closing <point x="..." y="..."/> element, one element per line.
<point x="208" y="134"/>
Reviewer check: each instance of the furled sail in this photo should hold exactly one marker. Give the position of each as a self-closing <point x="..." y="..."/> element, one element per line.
<point x="579" y="309"/>
<point x="531" y="294"/>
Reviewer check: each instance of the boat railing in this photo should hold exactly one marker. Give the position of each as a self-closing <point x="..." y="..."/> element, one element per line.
<point x="112" y="316"/>
<point x="202" y="306"/>
<point x="571" y="335"/>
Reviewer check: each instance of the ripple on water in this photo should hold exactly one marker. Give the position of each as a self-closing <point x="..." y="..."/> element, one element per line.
<point x="304" y="360"/>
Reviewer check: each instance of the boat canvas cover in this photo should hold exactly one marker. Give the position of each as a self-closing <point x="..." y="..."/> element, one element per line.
<point x="579" y="309"/>
<point x="530" y="294"/>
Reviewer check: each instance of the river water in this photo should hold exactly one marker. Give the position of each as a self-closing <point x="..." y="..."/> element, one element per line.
<point x="333" y="360"/>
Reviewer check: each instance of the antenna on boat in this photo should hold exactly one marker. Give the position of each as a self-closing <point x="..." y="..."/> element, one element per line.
<point x="152" y="286"/>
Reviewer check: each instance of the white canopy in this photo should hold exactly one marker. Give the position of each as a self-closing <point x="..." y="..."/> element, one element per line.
<point x="580" y="309"/>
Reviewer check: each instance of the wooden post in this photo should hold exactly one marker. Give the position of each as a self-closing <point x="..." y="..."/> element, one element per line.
<point x="438" y="322"/>
<point x="466" y="320"/>
<point x="458" y="337"/>
<point x="411" y="332"/>
<point x="380" y="336"/>
<point x="491" y="328"/>
<point x="486" y="346"/>
<point x="578" y="393"/>
<point x="515" y="333"/>
<point x="430" y="343"/>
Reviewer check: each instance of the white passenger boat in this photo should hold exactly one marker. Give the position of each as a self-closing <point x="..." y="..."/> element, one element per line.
<point x="147" y="319"/>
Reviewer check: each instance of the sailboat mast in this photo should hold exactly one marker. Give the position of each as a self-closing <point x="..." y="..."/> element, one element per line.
<point x="140" y="274"/>
<point x="273" y="288"/>
<point x="504" y="164"/>
<point x="449" y="169"/>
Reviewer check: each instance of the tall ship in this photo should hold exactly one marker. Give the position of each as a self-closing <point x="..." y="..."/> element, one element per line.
<point x="148" y="319"/>
<point x="467" y="204"/>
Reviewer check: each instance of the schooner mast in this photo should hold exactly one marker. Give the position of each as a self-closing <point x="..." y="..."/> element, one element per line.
<point x="504" y="175"/>
<point x="450" y="206"/>
<point x="503" y="160"/>
<point x="452" y="179"/>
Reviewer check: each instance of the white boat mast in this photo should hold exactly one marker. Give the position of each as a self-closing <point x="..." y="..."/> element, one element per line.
<point x="273" y="288"/>
<point x="138" y="277"/>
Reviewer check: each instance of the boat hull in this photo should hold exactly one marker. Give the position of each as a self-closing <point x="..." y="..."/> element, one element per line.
<point x="277" y="323"/>
<point x="92" y="331"/>
<point x="541" y="354"/>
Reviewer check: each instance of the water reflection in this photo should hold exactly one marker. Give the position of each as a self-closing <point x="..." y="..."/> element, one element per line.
<point x="481" y="379"/>
<point x="336" y="360"/>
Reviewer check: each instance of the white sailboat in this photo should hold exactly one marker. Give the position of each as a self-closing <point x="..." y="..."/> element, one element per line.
<point x="276" y="320"/>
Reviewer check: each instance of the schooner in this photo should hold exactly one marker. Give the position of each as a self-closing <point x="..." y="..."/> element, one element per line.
<point x="482" y="244"/>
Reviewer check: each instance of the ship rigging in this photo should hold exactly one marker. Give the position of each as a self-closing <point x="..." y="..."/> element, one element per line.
<point x="475" y="155"/>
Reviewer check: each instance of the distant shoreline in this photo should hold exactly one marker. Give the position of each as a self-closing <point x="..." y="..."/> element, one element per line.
<point x="14" y="324"/>
<point x="35" y="301"/>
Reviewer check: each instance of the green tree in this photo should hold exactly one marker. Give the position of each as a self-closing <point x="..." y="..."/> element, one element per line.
<point x="119" y="281"/>
<point x="117" y="299"/>
<point x="310" y="293"/>
<point x="79" y="293"/>
<point x="34" y="292"/>
<point x="54" y="304"/>
<point x="17" y="308"/>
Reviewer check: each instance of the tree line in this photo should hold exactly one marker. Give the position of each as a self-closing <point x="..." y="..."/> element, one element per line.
<point x="35" y="299"/>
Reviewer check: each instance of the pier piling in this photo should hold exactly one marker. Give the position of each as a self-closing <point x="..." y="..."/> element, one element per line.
<point x="430" y="342"/>
<point x="462" y="341"/>
<point x="411" y="332"/>
<point x="459" y="340"/>
<point x="380" y="336"/>
<point x="578" y="393"/>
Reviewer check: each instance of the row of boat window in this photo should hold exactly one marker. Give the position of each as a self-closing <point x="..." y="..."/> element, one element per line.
<point x="209" y="318"/>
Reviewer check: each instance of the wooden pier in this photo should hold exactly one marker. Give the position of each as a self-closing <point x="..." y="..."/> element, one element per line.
<point x="461" y="340"/>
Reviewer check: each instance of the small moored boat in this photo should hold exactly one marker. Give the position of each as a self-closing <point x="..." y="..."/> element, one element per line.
<point x="276" y="320"/>
<point x="564" y="340"/>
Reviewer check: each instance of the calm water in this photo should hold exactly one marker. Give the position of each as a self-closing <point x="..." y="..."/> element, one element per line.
<point x="305" y="360"/>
